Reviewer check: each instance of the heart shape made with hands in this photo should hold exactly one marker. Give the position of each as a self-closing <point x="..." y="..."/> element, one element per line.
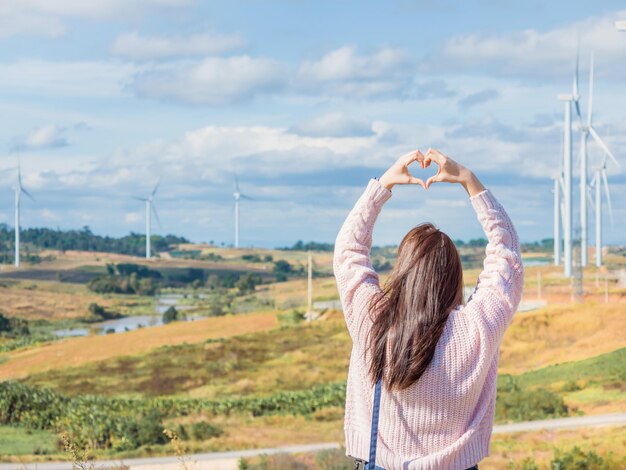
<point x="423" y="172"/>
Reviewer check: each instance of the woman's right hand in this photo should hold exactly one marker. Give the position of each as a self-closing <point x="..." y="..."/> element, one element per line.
<point x="451" y="172"/>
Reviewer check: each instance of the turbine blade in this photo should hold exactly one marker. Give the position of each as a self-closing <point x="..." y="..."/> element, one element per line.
<point x="156" y="216"/>
<point x="575" y="85"/>
<point x="580" y="118"/>
<point x="143" y="199"/>
<point x="27" y="193"/>
<point x="608" y="195"/>
<point x="590" y="105"/>
<point x="236" y="183"/>
<point x="156" y="186"/>
<point x="601" y="143"/>
<point x="243" y="196"/>
<point x="590" y="200"/>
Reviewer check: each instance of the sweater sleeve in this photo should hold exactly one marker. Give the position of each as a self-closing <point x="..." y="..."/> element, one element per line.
<point x="356" y="279"/>
<point x="499" y="288"/>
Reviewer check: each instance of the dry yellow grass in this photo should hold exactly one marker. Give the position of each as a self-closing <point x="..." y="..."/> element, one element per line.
<point x="76" y="351"/>
<point x="37" y="300"/>
<point x="540" y="445"/>
<point x="562" y="333"/>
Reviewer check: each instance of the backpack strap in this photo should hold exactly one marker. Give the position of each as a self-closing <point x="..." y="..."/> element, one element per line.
<point x="371" y="464"/>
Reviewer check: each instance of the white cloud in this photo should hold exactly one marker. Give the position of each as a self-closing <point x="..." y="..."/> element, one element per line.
<point x="478" y="97"/>
<point x="137" y="47"/>
<point x="80" y="78"/>
<point x="49" y="215"/>
<point x="45" y="17"/>
<point x="334" y="125"/>
<point x="538" y="54"/>
<point x="132" y="217"/>
<point x="48" y="136"/>
<point x="213" y="81"/>
<point x="344" y="72"/>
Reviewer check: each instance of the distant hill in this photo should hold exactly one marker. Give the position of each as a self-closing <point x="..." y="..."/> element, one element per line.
<point x="82" y="240"/>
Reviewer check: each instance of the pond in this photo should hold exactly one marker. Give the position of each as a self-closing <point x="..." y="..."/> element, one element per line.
<point x="120" y="325"/>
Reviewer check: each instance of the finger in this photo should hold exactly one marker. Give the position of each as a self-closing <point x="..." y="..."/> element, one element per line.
<point x="410" y="157"/>
<point x="433" y="179"/>
<point x="436" y="156"/>
<point x="414" y="180"/>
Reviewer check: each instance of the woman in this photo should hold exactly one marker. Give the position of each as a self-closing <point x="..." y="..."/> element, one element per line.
<point x="437" y="357"/>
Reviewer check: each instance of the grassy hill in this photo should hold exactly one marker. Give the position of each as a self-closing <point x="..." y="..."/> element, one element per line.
<point x="256" y="375"/>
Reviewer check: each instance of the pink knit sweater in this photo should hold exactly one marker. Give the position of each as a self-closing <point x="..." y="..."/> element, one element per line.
<point x="445" y="419"/>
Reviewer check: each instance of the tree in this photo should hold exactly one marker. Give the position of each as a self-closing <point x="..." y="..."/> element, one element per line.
<point x="170" y="315"/>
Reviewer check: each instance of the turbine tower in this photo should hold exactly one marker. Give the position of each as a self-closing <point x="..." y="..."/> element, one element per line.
<point x="19" y="189"/>
<point x="150" y="209"/>
<point x="586" y="130"/>
<point x="600" y="179"/>
<point x="238" y="196"/>
<point x="557" y="220"/>
<point x="567" y="182"/>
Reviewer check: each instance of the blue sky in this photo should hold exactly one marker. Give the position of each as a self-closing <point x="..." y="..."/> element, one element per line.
<point x="305" y="100"/>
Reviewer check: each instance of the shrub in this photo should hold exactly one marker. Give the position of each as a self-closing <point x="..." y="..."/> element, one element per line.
<point x="577" y="459"/>
<point x="516" y="404"/>
<point x="295" y="317"/>
<point x="13" y="327"/>
<point x="203" y="430"/>
<point x="333" y="459"/>
<point x="170" y="315"/>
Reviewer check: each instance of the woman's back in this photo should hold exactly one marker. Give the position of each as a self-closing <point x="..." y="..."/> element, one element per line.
<point x="445" y="418"/>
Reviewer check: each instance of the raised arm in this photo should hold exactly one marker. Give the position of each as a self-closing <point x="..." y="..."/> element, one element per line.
<point x="500" y="284"/>
<point x="499" y="288"/>
<point x="356" y="279"/>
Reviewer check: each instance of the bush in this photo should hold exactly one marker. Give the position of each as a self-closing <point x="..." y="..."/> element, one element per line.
<point x="333" y="459"/>
<point x="577" y="459"/>
<point x="203" y="430"/>
<point x="295" y="317"/>
<point x="170" y="315"/>
<point x="13" y="327"/>
<point x="97" y="313"/>
<point x="516" y="404"/>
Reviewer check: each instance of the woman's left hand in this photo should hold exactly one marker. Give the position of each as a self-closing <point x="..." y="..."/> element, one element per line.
<point x="399" y="172"/>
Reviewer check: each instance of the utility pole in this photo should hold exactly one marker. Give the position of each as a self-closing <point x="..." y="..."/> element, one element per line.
<point x="310" y="289"/>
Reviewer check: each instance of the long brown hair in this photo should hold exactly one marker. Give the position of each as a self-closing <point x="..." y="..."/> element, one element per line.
<point x="409" y="315"/>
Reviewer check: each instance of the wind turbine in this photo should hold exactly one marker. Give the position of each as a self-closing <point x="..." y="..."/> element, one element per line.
<point x="150" y="209"/>
<point x="19" y="189"/>
<point x="238" y="196"/>
<point x="600" y="179"/>
<point x="586" y="130"/>
<point x="567" y="180"/>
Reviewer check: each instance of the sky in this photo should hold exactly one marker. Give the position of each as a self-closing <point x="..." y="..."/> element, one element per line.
<point x="305" y="101"/>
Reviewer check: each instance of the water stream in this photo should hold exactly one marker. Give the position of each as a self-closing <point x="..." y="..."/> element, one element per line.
<point x="120" y="325"/>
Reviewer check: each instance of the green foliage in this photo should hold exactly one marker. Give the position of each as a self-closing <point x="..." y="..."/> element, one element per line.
<point x="85" y="240"/>
<point x="170" y="315"/>
<point x="252" y="258"/>
<point x="126" y="278"/>
<point x="291" y="318"/>
<point x="248" y="282"/>
<point x="204" y="430"/>
<point x="13" y="327"/>
<point x="577" y="459"/>
<point x="312" y="246"/>
<point x="98" y="313"/>
<point x="333" y="459"/>
<point x="610" y="367"/>
<point x="25" y="341"/>
<point x="282" y="266"/>
<point x="515" y="403"/>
